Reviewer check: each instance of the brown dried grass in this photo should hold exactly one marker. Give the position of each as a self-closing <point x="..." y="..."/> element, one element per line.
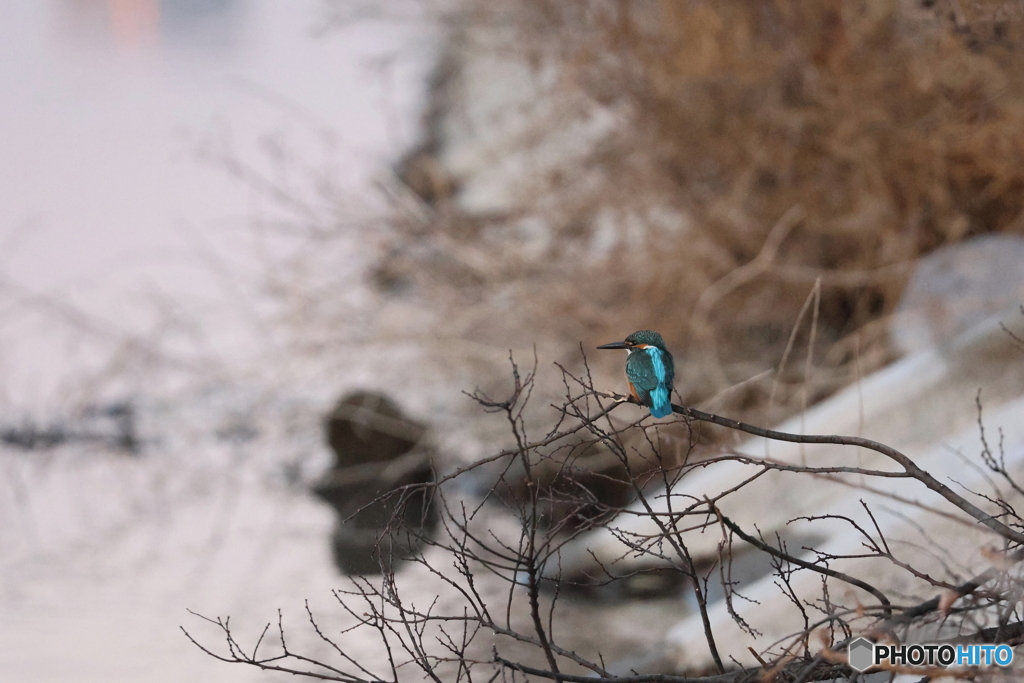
<point x="789" y="142"/>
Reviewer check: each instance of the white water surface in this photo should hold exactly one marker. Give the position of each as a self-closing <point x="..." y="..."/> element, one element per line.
<point x="123" y="236"/>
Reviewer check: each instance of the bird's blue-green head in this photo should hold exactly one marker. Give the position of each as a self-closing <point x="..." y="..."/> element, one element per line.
<point x="647" y="338"/>
<point x="638" y="339"/>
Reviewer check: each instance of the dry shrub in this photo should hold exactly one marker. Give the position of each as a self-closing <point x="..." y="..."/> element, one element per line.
<point x="758" y="146"/>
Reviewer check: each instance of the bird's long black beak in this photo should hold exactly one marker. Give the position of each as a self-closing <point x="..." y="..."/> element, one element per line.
<point x="614" y="345"/>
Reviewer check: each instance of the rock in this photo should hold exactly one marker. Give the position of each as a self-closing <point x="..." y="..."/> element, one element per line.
<point x="956" y="287"/>
<point x="378" y="452"/>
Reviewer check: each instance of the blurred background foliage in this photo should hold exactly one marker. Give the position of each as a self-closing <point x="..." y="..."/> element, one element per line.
<point x="727" y="156"/>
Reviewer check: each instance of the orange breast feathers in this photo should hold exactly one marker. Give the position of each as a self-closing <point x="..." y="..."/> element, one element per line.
<point x="632" y="390"/>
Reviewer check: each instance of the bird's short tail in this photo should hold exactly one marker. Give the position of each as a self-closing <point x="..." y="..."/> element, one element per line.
<point x="661" y="404"/>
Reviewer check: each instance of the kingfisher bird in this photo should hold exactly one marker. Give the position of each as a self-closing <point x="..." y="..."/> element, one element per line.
<point x="649" y="370"/>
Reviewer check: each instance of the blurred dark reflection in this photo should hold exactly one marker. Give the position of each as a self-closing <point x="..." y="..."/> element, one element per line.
<point x="380" y="484"/>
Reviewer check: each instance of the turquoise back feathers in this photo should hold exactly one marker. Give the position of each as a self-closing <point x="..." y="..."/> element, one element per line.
<point x="649" y="370"/>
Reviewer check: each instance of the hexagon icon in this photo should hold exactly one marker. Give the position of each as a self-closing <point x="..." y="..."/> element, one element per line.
<point x="861" y="654"/>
